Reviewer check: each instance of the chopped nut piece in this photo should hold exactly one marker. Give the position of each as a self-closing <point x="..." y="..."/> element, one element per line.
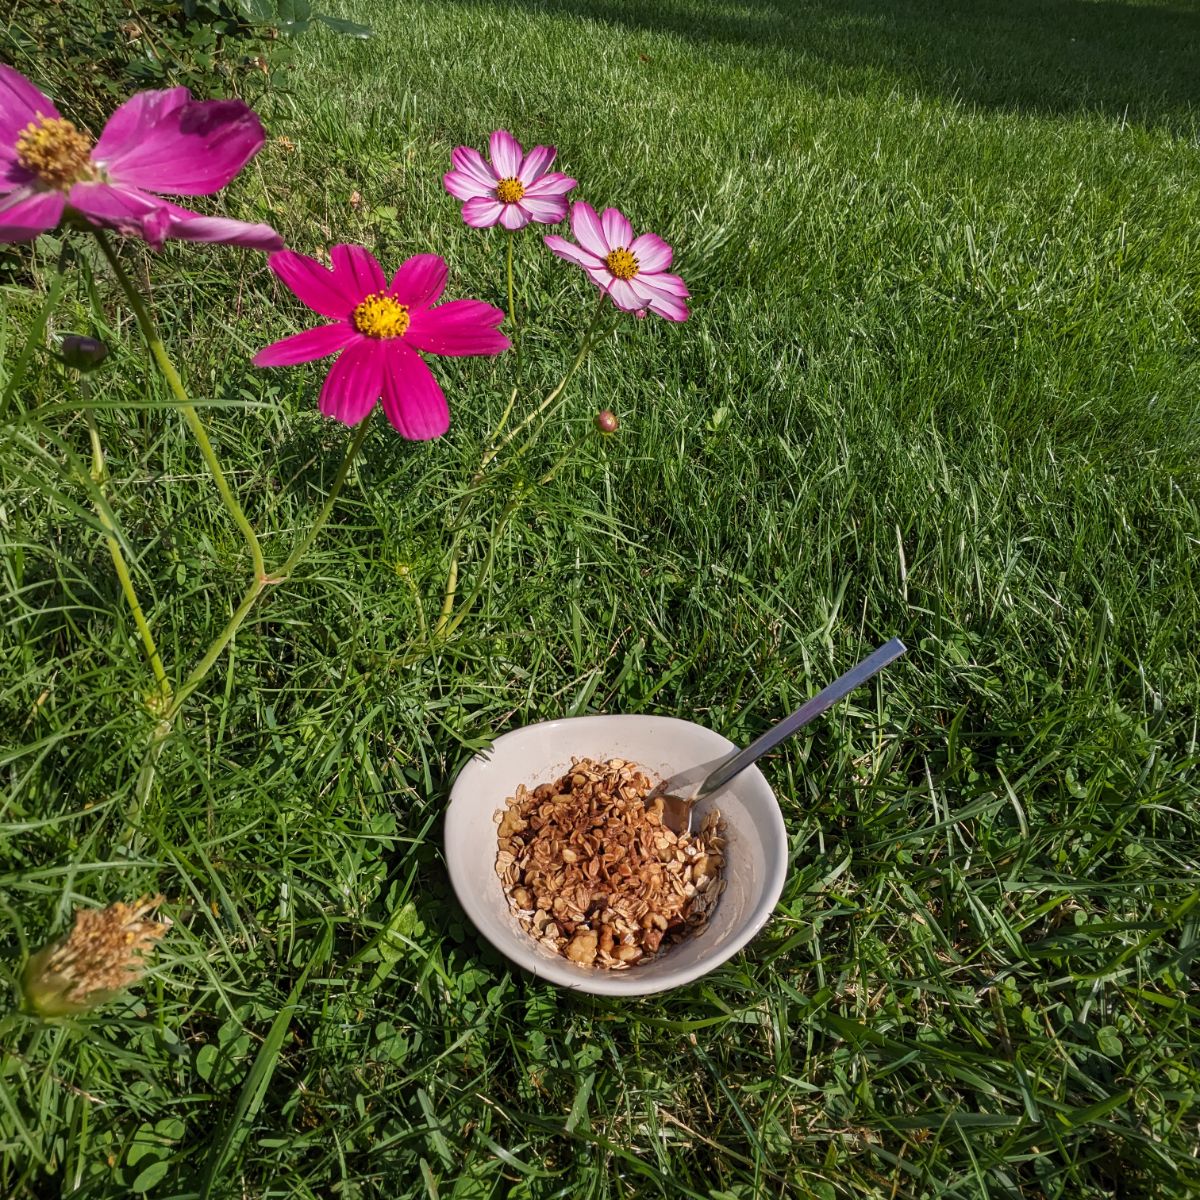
<point x="620" y="885"/>
<point x="582" y="948"/>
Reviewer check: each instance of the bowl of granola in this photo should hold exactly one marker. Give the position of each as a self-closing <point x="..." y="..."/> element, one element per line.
<point x="557" y="852"/>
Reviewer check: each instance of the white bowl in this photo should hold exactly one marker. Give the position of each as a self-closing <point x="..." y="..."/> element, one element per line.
<point x="755" y="848"/>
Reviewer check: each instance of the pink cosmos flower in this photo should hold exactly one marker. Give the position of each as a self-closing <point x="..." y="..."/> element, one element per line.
<point x="379" y="328"/>
<point x="159" y="141"/>
<point x="630" y="270"/>
<point x="513" y="189"/>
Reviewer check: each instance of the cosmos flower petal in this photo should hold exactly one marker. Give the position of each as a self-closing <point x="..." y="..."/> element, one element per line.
<point x="412" y="398"/>
<point x="573" y="253"/>
<point x="470" y="162"/>
<point x="185" y="226"/>
<point x="313" y="285"/>
<point x="506" y="154"/>
<point x="660" y="281"/>
<point x="511" y="217"/>
<point x="167" y="142"/>
<point x="357" y="270"/>
<point x="481" y="213"/>
<point x="354" y="382"/>
<point x="420" y="280"/>
<point x="600" y="275"/>
<point x="137" y="213"/>
<point x="123" y="209"/>
<point x="20" y="104"/>
<point x="553" y="184"/>
<point x="618" y="232"/>
<point x="466" y="187"/>
<point x="652" y="253"/>
<point x="318" y="342"/>
<point x="457" y="328"/>
<point x="537" y="163"/>
<point x="548" y="210"/>
<point x="670" y="307"/>
<point x="26" y="212"/>
<point x="586" y="227"/>
<point x="623" y="296"/>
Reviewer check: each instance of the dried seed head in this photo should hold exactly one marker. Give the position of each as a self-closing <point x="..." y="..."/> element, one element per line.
<point x="101" y="956"/>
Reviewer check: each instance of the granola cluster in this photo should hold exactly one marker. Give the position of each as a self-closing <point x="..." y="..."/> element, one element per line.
<point x="592" y="872"/>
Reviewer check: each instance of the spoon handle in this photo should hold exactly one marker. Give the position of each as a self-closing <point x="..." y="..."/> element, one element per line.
<point x="827" y="696"/>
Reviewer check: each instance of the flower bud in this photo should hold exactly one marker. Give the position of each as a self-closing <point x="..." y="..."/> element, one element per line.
<point x="607" y="422"/>
<point x="82" y="352"/>
<point x="96" y="961"/>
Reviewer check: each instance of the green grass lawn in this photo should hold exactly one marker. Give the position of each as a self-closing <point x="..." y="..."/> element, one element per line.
<point x="940" y="382"/>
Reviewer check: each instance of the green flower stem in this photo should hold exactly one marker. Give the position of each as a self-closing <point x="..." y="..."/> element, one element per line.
<point x="190" y="415"/>
<point x="339" y="480"/>
<point x="451" y="589"/>
<point x="202" y="668"/>
<point x="261" y="581"/>
<point x="445" y="625"/>
<point x="512" y="308"/>
<point x="515" y="333"/>
<point x="100" y="477"/>
<point x="589" y="339"/>
<point x="17" y="377"/>
<point x="561" y="461"/>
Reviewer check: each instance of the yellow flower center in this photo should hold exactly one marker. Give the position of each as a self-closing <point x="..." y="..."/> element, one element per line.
<point x="509" y="191"/>
<point x="55" y="151"/>
<point x="380" y="316"/>
<point x="621" y="263"/>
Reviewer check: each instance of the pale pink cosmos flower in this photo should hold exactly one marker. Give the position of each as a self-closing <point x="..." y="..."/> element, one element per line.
<point x="157" y="141"/>
<point x="380" y="330"/>
<point x="513" y="189"/>
<point x="632" y="270"/>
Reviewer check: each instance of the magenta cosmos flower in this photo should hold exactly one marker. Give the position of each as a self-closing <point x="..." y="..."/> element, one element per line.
<point x="513" y="189"/>
<point x="162" y="141"/>
<point x="380" y="329"/>
<point x="630" y="270"/>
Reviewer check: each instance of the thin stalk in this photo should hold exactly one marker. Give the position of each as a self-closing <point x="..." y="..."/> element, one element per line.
<point x="446" y="628"/>
<point x="260" y="582"/>
<point x="343" y="473"/>
<point x="589" y="338"/>
<point x="190" y="415"/>
<point x="560" y="462"/>
<point x="100" y="477"/>
<point x="451" y="590"/>
<point x="512" y="308"/>
<point x="512" y="401"/>
<point x="444" y="625"/>
<point x="515" y="332"/>
<point x="447" y="625"/>
<point x="17" y="377"/>
<point x="195" y="678"/>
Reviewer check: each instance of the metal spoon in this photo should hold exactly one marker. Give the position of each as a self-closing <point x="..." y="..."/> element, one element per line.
<point x="680" y="793"/>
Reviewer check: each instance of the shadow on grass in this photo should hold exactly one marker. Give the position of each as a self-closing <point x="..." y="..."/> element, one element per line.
<point x="1128" y="60"/>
